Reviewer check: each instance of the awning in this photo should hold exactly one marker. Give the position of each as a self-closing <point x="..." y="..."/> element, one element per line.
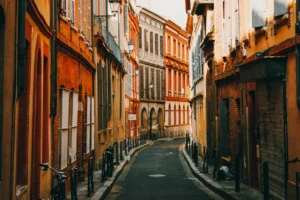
<point x="265" y="68"/>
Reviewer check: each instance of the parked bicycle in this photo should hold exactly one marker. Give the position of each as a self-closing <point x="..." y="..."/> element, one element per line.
<point x="58" y="191"/>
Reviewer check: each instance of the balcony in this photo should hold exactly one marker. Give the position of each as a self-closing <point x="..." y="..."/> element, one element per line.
<point x="100" y="29"/>
<point x="199" y="6"/>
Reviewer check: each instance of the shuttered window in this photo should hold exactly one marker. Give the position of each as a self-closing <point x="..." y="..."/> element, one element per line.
<point x="73" y="126"/>
<point x="90" y="124"/>
<point x="156" y="43"/>
<point x="96" y="7"/>
<point x="157" y="84"/>
<point x="100" y="96"/>
<point x="80" y="16"/>
<point x="161" y="42"/>
<point x="147" y="81"/>
<point x="152" y="81"/>
<point x="142" y="81"/>
<point x="237" y="21"/>
<point x="162" y="84"/>
<point x="280" y="7"/>
<point x="126" y="24"/>
<point x="151" y="42"/>
<point x="146" y="40"/>
<point x="63" y="128"/>
<point x="89" y="21"/>
<point x="140" y="39"/>
<point x="169" y="44"/>
<point x="174" y="47"/>
<point x="259" y="14"/>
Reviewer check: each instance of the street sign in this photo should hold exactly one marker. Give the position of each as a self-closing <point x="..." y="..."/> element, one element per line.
<point x="132" y="117"/>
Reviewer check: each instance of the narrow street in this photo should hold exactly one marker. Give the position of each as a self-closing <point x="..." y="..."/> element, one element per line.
<point x="159" y="172"/>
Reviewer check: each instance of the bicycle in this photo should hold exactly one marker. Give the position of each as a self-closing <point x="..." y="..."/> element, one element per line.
<point x="58" y="192"/>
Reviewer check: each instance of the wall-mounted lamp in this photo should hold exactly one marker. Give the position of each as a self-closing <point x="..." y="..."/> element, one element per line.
<point x="114" y="7"/>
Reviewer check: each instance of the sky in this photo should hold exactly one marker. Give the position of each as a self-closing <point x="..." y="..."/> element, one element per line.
<point x="171" y="9"/>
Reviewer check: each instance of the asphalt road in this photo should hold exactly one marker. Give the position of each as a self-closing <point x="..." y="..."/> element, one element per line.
<point x="159" y="172"/>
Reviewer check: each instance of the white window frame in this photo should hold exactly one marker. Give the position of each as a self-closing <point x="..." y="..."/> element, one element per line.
<point x="64" y="128"/>
<point x="73" y="126"/>
<point x="90" y="123"/>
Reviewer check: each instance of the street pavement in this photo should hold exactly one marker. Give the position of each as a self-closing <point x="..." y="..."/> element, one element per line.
<point x="159" y="172"/>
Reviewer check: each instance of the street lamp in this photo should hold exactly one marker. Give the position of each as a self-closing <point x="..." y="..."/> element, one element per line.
<point x="114" y="7"/>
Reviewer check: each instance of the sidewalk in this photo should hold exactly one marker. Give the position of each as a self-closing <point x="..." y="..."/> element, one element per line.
<point x="225" y="189"/>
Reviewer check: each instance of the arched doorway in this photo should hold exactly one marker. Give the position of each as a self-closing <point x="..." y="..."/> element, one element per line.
<point x="144" y="120"/>
<point x="37" y="123"/>
<point x="153" y="124"/>
<point x="160" y="122"/>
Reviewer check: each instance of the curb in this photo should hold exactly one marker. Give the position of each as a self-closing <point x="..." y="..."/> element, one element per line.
<point x="209" y="183"/>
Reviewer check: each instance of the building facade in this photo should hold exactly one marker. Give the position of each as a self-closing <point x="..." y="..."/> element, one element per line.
<point x="151" y="73"/>
<point x="131" y="29"/>
<point x="251" y="57"/>
<point x="176" y="58"/>
<point x="110" y="57"/>
<point x="8" y="26"/>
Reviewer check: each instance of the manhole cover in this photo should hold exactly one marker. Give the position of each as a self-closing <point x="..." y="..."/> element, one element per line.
<point x="156" y="175"/>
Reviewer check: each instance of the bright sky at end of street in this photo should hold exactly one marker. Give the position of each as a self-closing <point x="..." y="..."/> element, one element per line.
<point x="171" y="9"/>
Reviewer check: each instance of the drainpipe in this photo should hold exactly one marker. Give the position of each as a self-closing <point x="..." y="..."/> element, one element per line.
<point x="53" y="87"/>
<point x="297" y="53"/>
<point x="21" y="71"/>
<point x="285" y="136"/>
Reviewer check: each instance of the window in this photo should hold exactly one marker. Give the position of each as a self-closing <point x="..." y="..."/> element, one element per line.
<point x="187" y="114"/>
<point x="169" y="44"/>
<point x="2" y="50"/>
<point x="179" y="82"/>
<point x="179" y="118"/>
<point x="156" y="43"/>
<point x="175" y="120"/>
<point x="151" y="42"/>
<point x="280" y="7"/>
<point x="170" y="121"/>
<point x="183" y="53"/>
<point x="183" y="114"/>
<point x="89" y="126"/>
<point x="126" y="24"/>
<point x="140" y="39"/>
<point x="174" y="47"/>
<point x="63" y="128"/>
<point x="100" y="96"/>
<point x="142" y="93"/>
<point x="259" y="13"/>
<point x="96" y="7"/>
<point x="89" y="22"/>
<point x="144" y="118"/>
<point x="170" y="81"/>
<point x="72" y="12"/>
<point x="178" y="46"/>
<point x="146" y="40"/>
<point x="80" y="16"/>
<point x="73" y="126"/>
<point x="161" y="42"/>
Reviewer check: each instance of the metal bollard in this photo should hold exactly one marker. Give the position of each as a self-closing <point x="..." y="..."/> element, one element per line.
<point x="266" y="180"/>
<point x="90" y="176"/>
<point x="117" y="153"/>
<point x="297" y="184"/>
<point x="125" y="146"/>
<point x="237" y="173"/>
<point x="196" y="154"/>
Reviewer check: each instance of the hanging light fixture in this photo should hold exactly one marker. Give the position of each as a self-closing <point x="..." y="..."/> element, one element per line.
<point x="114" y="6"/>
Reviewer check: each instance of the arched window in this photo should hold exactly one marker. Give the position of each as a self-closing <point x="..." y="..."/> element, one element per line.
<point x="179" y="118"/>
<point x="2" y="39"/>
<point x="187" y="115"/>
<point x="175" y="115"/>
<point x="184" y="114"/>
<point x="144" y="118"/>
<point x="170" y="121"/>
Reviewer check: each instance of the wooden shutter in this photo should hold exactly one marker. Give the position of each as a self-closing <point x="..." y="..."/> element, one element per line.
<point x="64" y="128"/>
<point x="140" y="39"/>
<point x="152" y="81"/>
<point x="147" y="81"/>
<point x="162" y="85"/>
<point x="146" y="40"/>
<point x="92" y="123"/>
<point x="161" y="46"/>
<point x="259" y="14"/>
<point x="151" y="42"/>
<point x="280" y="7"/>
<point x="142" y="92"/>
<point x="126" y="24"/>
<point x="156" y="43"/>
<point x="157" y="84"/>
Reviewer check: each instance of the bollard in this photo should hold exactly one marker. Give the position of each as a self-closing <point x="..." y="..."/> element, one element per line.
<point x="297" y="184"/>
<point x="125" y="146"/>
<point x="117" y="153"/>
<point x="237" y="173"/>
<point x="104" y="167"/>
<point x="196" y="154"/>
<point x="204" y="160"/>
<point x="186" y="142"/>
<point x="73" y="187"/>
<point x="266" y="180"/>
<point x="90" y="176"/>
<point x="121" y="150"/>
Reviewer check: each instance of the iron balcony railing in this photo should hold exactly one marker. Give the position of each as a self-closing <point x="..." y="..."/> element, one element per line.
<point x="100" y="29"/>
